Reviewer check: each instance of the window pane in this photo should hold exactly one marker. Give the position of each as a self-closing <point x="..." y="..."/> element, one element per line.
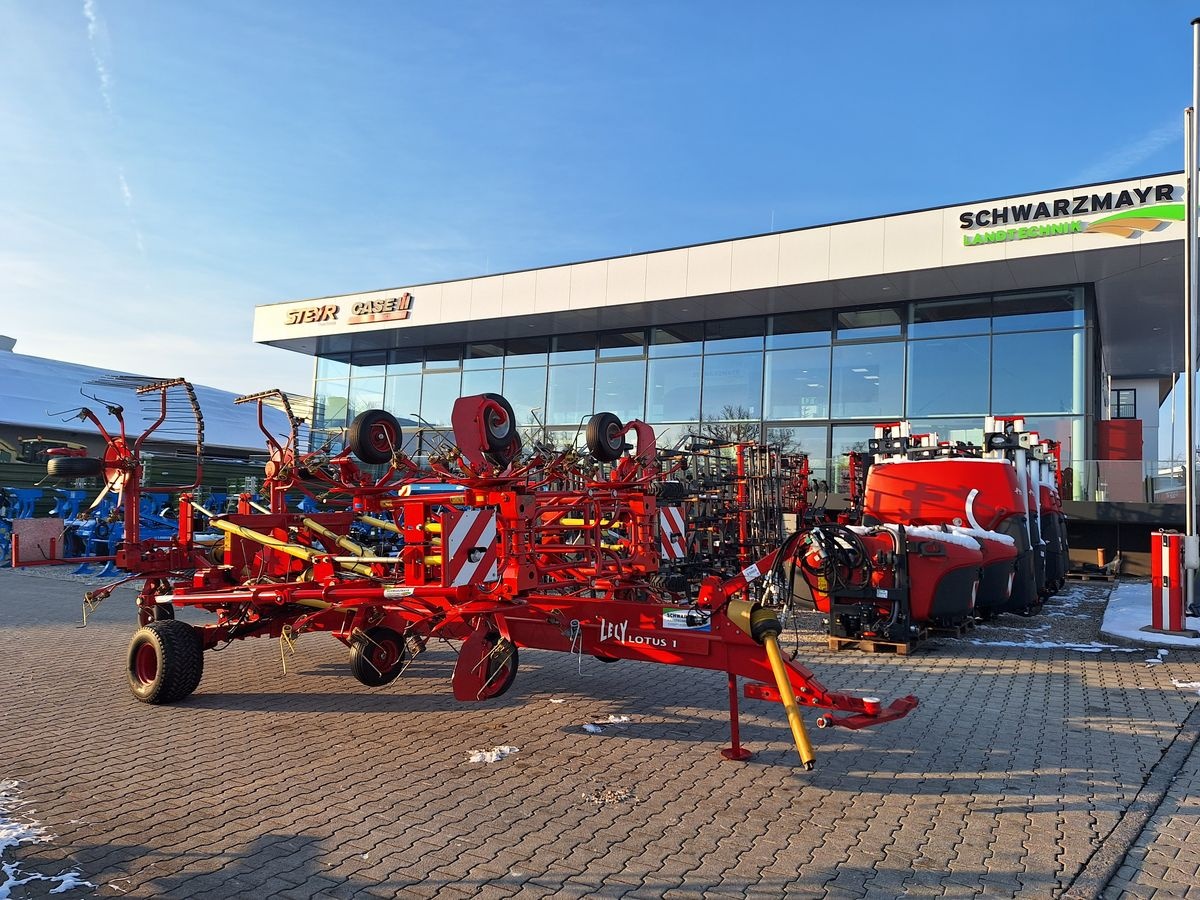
<point x="570" y="396"/>
<point x="945" y="317"/>
<point x="526" y="352"/>
<point x="438" y="392"/>
<point x="667" y="436"/>
<point x="365" y="393"/>
<point x="969" y="431"/>
<point x="483" y="356"/>
<point x="948" y="377"/>
<point x="405" y="361"/>
<point x="677" y="340"/>
<point x="810" y="439"/>
<point x="732" y="386"/>
<point x="798" y="384"/>
<point x="622" y="344"/>
<point x="369" y="362"/>
<point x="727" y="335"/>
<point x="799" y="329"/>
<point x="1037" y="373"/>
<point x="1067" y="430"/>
<point x="403" y="397"/>
<point x="1040" y="309"/>
<point x="568" y="348"/>
<point x="329" y="406"/>
<point x="334" y="366"/>
<point x="525" y="390"/>
<point x="444" y="357"/>
<point x="621" y="389"/>
<point x="484" y="381"/>
<point x="673" y="389"/>
<point x="855" y="324"/>
<point x="868" y="380"/>
<point x="846" y="439"/>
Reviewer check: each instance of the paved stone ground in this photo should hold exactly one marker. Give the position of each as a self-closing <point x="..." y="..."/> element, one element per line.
<point x="1017" y="765"/>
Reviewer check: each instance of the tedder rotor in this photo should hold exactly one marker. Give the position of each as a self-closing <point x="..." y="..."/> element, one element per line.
<point x="496" y="548"/>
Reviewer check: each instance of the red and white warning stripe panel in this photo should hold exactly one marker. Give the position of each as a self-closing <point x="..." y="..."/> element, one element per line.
<point x="672" y="532"/>
<point x="469" y="551"/>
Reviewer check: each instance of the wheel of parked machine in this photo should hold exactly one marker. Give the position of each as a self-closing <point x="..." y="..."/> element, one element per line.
<point x="73" y="466"/>
<point x="499" y="426"/>
<point x="377" y="656"/>
<point x="374" y="436"/>
<point x="501" y="661"/>
<point x="165" y="661"/>
<point x="604" y="437"/>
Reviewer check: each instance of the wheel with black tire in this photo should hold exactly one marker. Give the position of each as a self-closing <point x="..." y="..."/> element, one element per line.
<point x="501" y="661"/>
<point x="377" y="656"/>
<point x="604" y="437"/>
<point x="374" y="436"/>
<point x="74" y="466"/>
<point x="499" y="425"/>
<point x="165" y="661"/>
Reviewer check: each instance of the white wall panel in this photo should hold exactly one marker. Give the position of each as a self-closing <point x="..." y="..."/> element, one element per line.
<point x="485" y="296"/>
<point x="589" y="284"/>
<point x="755" y="263"/>
<point x="912" y="242"/>
<point x="627" y="280"/>
<point x="666" y="275"/>
<point x="855" y="249"/>
<point x="709" y="269"/>
<point x="518" y="296"/>
<point x="804" y="256"/>
<point x="553" y="291"/>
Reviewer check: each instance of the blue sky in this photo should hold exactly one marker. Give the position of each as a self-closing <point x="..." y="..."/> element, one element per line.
<point x="168" y="166"/>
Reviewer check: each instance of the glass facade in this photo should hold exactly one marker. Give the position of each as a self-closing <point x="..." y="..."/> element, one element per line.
<point x="816" y="380"/>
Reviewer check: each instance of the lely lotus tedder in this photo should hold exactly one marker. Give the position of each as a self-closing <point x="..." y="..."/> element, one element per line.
<point x="499" y="549"/>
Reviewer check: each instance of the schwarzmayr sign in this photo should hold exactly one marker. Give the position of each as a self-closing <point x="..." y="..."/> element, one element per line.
<point x="1135" y="210"/>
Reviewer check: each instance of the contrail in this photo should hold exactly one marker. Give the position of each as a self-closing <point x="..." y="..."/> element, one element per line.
<point x="89" y="12"/>
<point x="1124" y="160"/>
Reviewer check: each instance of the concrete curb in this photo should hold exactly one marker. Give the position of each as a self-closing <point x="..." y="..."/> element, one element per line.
<point x="1104" y="862"/>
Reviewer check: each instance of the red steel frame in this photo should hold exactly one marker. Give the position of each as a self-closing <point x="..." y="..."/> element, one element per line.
<point x="562" y="581"/>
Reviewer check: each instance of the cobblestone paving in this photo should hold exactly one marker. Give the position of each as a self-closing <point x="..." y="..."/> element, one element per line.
<point x="1165" y="861"/>
<point x="1015" y="767"/>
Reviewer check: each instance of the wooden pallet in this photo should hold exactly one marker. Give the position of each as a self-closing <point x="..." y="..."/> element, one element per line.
<point x="872" y="646"/>
<point x="1090" y="576"/>
<point x="953" y="630"/>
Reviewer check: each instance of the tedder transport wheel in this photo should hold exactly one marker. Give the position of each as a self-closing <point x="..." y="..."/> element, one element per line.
<point x="500" y="427"/>
<point x="604" y="438"/>
<point x="501" y="662"/>
<point x="166" y="661"/>
<point x="73" y="466"/>
<point x="377" y="656"/>
<point x="374" y="436"/>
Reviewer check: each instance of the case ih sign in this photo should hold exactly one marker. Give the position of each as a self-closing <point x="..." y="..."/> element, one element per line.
<point x="386" y="309"/>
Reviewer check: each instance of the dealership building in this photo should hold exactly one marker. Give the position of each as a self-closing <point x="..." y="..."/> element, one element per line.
<point x="1065" y="306"/>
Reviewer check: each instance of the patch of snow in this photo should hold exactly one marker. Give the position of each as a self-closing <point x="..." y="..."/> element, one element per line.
<point x="921" y="532"/>
<point x="981" y="534"/>
<point x="1187" y="685"/>
<point x="1092" y="647"/>
<point x="593" y="728"/>
<point x="1129" y="609"/>
<point x="557" y="700"/>
<point x="494" y="755"/>
<point x="618" y="720"/>
<point x="15" y="830"/>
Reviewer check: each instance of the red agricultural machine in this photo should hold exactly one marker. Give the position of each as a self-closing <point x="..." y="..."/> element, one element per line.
<point x="940" y="533"/>
<point x="498" y="549"/>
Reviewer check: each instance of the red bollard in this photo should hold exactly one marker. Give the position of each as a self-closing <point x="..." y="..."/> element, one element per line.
<point x="1166" y="584"/>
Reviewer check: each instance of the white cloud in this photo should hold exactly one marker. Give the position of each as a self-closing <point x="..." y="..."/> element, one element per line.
<point x="96" y="38"/>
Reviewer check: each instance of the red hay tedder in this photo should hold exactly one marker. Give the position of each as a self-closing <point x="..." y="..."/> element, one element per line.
<point x="499" y="549"/>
